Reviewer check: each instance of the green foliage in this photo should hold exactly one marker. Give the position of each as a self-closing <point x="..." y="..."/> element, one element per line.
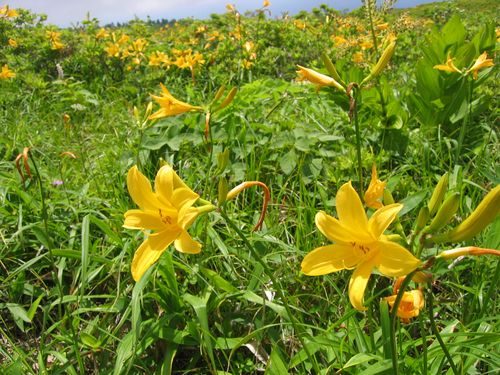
<point x="67" y="300"/>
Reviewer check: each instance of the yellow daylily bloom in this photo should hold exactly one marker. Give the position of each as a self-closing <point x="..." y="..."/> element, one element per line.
<point x="7" y="12"/>
<point x="11" y="42"/>
<point x="481" y="63"/>
<point x="167" y="212"/>
<point x="170" y="106"/>
<point x="359" y="244"/>
<point x="375" y="190"/>
<point x="6" y="73"/>
<point x="448" y="67"/>
<point x="317" y="78"/>
<point x="409" y="306"/>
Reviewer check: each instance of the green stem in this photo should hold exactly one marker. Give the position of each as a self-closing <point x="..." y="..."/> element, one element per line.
<point x="394" y="314"/>
<point x="45" y="219"/>
<point x="275" y="282"/>
<point x="424" y="344"/>
<point x="358" y="139"/>
<point x="430" y="305"/>
<point x="465" y="121"/>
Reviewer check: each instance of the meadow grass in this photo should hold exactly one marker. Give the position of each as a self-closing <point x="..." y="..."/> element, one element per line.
<point x="67" y="298"/>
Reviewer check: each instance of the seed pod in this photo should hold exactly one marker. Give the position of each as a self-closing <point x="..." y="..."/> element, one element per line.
<point x="438" y="194"/>
<point x="447" y="210"/>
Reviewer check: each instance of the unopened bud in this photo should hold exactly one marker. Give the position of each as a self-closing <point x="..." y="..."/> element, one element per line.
<point x="222" y="190"/>
<point x="382" y="62"/>
<point x="447" y="210"/>
<point x="229" y="98"/>
<point x="331" y="69"/>
<point x="222" y="160"/>
<point x="388" y="199"/>
<point x="438" y="194"/>
<point x="469" y="250"/>
<point x="478" y="220"/>
<point x="423" y="216"/>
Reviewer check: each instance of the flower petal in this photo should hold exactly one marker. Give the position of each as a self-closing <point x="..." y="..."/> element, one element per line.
<point x="185" y="244"/>
<point x="394" y="260"/>
<point x="140" y="219"/>
<point x="184" y="197"/>
<point x="144" y="257"/>
<point x="140" y="190"/>
<point x="382" y="218"/>
<point x="335" y="231"/>
<point x="187" y="215"/>
<point x="350" y="209"/>
<point x="161" y="240"/>
<point x="327" y="259"/>
<point x="164" y="185"/>
<point x="357" y="284"/>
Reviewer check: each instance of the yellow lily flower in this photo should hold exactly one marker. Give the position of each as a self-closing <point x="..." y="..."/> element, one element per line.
<point x="409" y="306"/>
<point x="375" y="190"/>
<point x="317" y="78"/>
<point x="448" y="67"/>
<point x="481" y="63"/>
<point x="6" y="73"/>
<point x="167" y="212"/>
<point x="359" y="244"/>
<point x="170" y="106"/>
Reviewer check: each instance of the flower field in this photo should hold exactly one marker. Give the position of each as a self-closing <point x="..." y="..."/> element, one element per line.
<point x="251" y="193"/>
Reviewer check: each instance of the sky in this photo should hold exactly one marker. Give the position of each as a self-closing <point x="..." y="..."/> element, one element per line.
<point x="66" y="13"/>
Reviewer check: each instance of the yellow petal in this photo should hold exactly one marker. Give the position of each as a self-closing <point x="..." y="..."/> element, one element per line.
<point x="164" y="185"/>
<point x="350" y="209"/>
<point x="357" y="284"/>
<point x="161" y="240"/>
<point x="187" y="215"/>
<point x="184" y="197"/>
<point x="186" y="244"/>
<point x="381" y="219"/>
<point x="140" y="190"/>
<point x="394" y="260"/>
<point x="139" y="219"/>
<point x="333" y="228"/>
<point x="327" y="259"/>
<point x="144" y="257"/>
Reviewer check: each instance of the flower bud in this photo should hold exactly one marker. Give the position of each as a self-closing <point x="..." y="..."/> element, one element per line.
<point x="438" y="194"/>
<point x="479" y="219"/>
<point x="382" y="62"/>
<point x="447" y="210"/>
<point x="331" y="69"/>
<point x="222" y="190"/>
<point x="423" y="216"/>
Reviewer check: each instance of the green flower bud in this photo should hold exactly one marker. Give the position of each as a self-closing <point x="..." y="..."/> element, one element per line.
<point x="438" y="194"/>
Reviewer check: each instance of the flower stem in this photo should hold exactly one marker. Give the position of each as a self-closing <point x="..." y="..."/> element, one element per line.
<point x="394" y="313"/>
<point x="354" y="100"/>
<point x="430" y="303"/>
<point x="465" y="121"/>
<point x="274" y="281"/>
